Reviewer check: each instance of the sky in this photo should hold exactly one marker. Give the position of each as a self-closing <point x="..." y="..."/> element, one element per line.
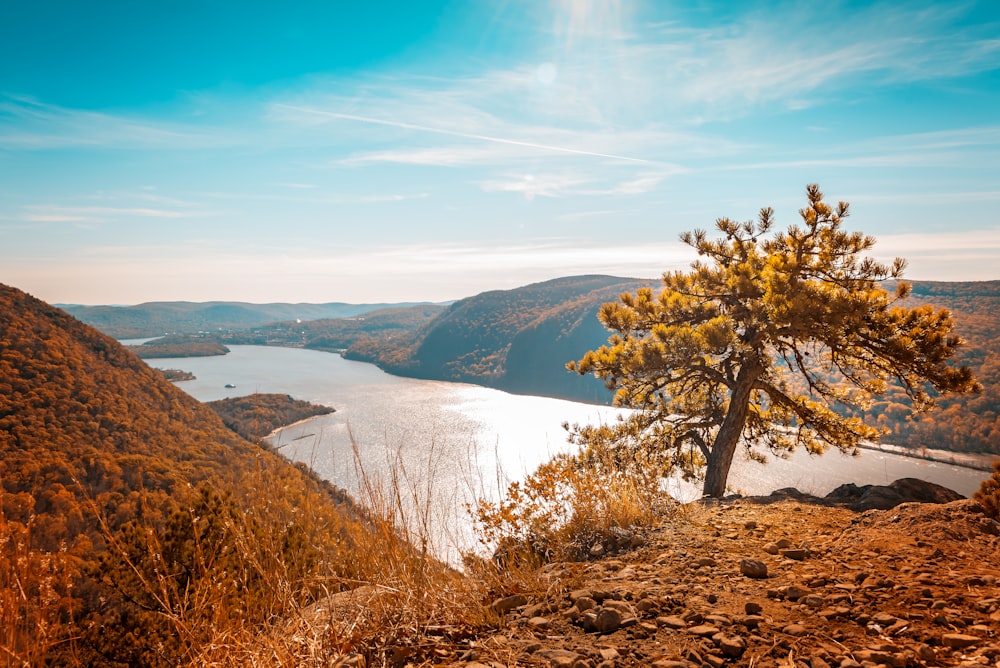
<point x="427" y="151"/>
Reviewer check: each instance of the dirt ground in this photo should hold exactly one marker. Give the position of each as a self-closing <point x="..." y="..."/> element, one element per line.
<point x="763" y="582"/>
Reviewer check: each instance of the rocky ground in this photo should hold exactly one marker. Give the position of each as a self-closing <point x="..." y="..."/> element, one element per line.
<point x="785" y="580"/>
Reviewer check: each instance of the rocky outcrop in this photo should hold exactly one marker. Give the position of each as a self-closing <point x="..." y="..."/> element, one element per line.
<point x="883" y="497"/>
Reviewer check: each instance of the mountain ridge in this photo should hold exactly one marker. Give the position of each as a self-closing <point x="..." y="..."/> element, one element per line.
<point x="186" y="317"/>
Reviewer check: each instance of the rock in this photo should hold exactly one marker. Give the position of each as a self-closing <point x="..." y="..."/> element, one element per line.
<point x="645" y="605"/>
<point x="771" y="548"/>
<point x="884" y="497"/>
<point x="753" y="569"/>
<point x="502" y="606"/>
<point x="718" y="620"/>
<point x="609" y="653"/>
<point x="596" y="550"/>
<point x="562" y="658"/>
<point x="834" y="613"/>
<point x="715" y="661"/>
<point x="644" y="629"/>
<point x="732" y="646"/>
<point x="585" y="603"/>
<point x="703" y="630"/>
<point x="795" y="630"/>
<point x="752" y="608"/>
<point x="926" y="653"/>
<point x="539" y="622"/>
<point x="959" y="640"/>
<point x="795" y="592"/>
<point x="608" y="620"/>
<point x="884" y="619"/>
<point x="796" y="553"/>
<point x="671" y="622"/>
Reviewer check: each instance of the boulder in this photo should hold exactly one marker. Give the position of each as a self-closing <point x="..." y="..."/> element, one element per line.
<point x="884" y="497"/>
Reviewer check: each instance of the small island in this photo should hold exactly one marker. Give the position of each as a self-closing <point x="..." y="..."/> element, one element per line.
<point x="176" y="375"/>
<point x="255" y="416"/>
<point x="179" y="346"/>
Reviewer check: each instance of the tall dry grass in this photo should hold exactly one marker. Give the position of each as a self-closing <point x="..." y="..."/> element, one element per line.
<point x="582" y="504"/>
<point x="280" y="577"/>
<point x="36" y="585"/>
<point x="281" y="571"/>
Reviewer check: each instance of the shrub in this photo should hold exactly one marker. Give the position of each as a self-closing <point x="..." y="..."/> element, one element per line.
<point x="579" y="505"/>
<point x="988" y="494"/>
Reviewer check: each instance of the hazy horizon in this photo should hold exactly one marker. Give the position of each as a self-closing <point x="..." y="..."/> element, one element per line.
<point x="432" y="150"/>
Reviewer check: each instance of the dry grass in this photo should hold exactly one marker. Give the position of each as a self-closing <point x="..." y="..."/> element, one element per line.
<point x="579" y="505"/>
<point x="273" y="574"/>
<point x="35" y="587"/>
<point x="368" y="585"/>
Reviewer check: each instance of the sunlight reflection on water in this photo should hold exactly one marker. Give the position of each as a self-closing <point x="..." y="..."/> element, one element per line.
<point x="449" y="443"/>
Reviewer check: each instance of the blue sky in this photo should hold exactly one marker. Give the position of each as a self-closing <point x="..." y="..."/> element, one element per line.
<point x="335" y="151"/>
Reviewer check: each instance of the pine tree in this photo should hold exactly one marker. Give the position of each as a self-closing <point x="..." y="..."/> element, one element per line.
<point x="766" y="340"/>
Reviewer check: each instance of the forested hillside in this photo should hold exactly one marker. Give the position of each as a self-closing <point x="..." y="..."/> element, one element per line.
<point x="127" y="526"/>
<point x="961" y="423"/>
<point x="517" y="340"/>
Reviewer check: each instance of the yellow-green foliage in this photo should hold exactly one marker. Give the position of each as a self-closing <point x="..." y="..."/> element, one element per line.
<point x="988" y="494"/>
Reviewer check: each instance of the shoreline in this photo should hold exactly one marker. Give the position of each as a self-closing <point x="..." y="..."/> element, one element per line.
<point x="977" y="461"/>
<point x="276" y="430"/>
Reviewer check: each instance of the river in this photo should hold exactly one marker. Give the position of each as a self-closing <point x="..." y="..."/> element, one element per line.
<point x="449" y="443"/>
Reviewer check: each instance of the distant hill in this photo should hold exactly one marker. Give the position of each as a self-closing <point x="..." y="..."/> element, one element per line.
<point x="159" y="318"/>
<point x="97" y="450"/>
<point x="335" y="334"/>
<point x="517" y="340"/>
<point x="520" y="340"/>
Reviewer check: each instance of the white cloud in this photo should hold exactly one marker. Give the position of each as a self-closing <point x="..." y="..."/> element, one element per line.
<point x="29" y="124"/>
<point x="93" y="213"/>
<point x="508" y="141"/>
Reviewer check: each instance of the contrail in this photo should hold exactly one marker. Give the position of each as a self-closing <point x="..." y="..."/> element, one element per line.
<point x="464" y="135"/>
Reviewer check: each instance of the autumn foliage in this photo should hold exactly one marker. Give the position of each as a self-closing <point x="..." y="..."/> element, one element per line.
<point x="134" y="526"/>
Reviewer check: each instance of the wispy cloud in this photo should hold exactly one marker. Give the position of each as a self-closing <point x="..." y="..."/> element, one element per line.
<point x="561" y="184"/>
<point x="45" y="213"/>
<point x="535" y="146"/>
<point x="29" y="124"/>
<point x="784" y="54"/>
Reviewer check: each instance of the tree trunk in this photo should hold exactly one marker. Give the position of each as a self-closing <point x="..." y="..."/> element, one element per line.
<point x="721" y="457"/>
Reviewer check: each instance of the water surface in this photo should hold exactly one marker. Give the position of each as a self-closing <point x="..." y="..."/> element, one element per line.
<point x="447" y="443"/>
